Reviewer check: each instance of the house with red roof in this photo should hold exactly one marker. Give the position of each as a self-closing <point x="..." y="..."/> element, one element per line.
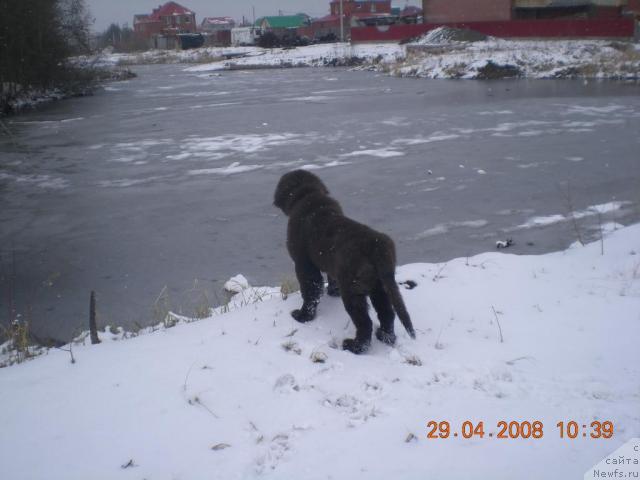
<point x="352" y="12"/>
<point x="217" y="31"/>
<point x="216" y="24"/>
<point x="166" y="21"/>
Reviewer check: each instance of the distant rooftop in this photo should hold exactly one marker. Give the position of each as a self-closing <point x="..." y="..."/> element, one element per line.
<point x="218" y="21"/>
<point x="166" y="10"/>
<point x="283" y="21"/>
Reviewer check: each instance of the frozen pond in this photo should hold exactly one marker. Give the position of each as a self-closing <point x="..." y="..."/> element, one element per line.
<point x="168" y="178"/>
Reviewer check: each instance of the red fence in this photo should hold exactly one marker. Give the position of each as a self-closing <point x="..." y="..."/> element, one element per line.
<point x="606" y="27"/>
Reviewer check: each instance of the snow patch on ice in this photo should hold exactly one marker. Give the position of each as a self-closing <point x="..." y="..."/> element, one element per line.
<point x="592" y="210"/>
<point x="231" y="169"/>
<point x="309" y="98"/>
<point x="436" y="137"/>
<point x="495" y="112"/>
<point x="40" y="181"/>
<point x="319" y="166"/>
<point x="380" y="153"/>
<point x="442" y="228"/>
<point x="128" y="182"/>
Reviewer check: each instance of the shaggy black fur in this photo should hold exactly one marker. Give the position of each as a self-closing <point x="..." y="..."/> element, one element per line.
<point x="358" y="260"/>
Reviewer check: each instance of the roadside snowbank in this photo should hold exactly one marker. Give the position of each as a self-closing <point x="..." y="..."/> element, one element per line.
<point x="252" y="393"/>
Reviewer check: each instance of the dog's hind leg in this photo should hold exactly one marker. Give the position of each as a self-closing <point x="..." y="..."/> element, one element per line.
<point x="356" y="306"/>
<point x="332" y="288"/>
<point x="311" y="286"/>
<point x="382" y="305"/>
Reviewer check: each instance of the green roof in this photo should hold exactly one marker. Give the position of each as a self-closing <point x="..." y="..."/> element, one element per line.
<point x="282" y="21"/>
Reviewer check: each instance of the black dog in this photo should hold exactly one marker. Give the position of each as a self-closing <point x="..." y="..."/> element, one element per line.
<point x="358" y="260"/>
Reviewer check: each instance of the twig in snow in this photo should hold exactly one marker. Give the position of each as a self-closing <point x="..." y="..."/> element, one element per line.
<point x="220" y="446"/>
<point x="495" y="314"/>
<point x="513" y="362"/>
<point x="129" y="464"/>
<point x="70" y="350"/>
<point x="437" y="276"/>
<point x="197" y="401"/>
<point x="571" y="214"/>
<point x="601" y="231"/>
<point x="291" y="333"/>
<point x="438" y="345"/>
<point x="186" y="378"/>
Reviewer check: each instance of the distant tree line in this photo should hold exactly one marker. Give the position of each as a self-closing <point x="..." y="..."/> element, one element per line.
<point x="121" y="39"/>
<point x="36" y="39"/>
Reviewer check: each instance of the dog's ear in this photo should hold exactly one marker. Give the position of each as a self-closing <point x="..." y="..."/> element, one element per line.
<point x="295" y="185"/>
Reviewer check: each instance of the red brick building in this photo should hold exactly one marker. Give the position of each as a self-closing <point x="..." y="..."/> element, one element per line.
<point x="352" y="10"/>
<point x="633" y="7"/>
<point x="360" y="8"/>
<point x="517" y="19"/>
<point x="167" y="20"/>
<point x="451" y="11"/>
<point x="445" y="11"/>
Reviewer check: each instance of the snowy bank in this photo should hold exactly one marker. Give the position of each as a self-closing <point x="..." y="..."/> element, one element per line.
<point x="439" y="54"/>
<point x="442" y="53"/>
<point x="330" y="54"/>
<point x="83" y="77"/>
<point x="218" y="58"/>
<point x="251" y="393"/>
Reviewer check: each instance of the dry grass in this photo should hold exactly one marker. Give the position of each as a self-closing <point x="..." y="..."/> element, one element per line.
<point x="17" y="346"/>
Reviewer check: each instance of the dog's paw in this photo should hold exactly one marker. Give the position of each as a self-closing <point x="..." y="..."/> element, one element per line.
<point x="355" y="346"/>
<point x="302" y="316"/>
<point x="386" y="337"/>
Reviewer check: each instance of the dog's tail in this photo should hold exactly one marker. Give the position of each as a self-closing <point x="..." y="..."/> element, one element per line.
<point x="385" y="262"/>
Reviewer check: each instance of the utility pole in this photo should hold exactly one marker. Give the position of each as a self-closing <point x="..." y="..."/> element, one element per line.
<point x="341" y="22"/>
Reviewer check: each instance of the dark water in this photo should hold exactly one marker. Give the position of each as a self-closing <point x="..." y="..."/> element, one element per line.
<point x="167" y="180"/>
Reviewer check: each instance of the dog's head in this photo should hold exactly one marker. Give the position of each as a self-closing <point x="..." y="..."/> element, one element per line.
<point x="295" y="185"/>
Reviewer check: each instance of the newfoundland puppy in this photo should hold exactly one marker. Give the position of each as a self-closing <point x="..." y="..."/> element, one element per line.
<point x="358" y="260"/>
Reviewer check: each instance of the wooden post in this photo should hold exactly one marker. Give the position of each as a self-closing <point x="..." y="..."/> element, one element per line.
<point x="93" y="328"/>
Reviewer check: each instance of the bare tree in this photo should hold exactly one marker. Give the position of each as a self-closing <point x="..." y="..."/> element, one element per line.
<point x="36" y="39"/>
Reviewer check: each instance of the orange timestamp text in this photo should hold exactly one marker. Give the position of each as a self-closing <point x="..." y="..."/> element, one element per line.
<point x="520" y="429"/>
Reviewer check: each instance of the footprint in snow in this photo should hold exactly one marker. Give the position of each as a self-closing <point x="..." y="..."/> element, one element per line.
<point x="357" y="410"/>
<point x="286" y="384"/>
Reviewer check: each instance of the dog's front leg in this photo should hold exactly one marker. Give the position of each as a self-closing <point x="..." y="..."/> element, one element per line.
<point x="311" y="285"/>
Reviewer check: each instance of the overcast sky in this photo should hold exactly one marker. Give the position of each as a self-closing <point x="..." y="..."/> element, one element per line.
<point x="121" y="11"/>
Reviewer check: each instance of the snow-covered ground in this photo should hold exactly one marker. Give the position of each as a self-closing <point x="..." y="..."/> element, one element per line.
<point x="216" y="58"/>
<point x="438" y="54"/>
<point x="443" y="58"/>
<point x="251" y="393"/>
